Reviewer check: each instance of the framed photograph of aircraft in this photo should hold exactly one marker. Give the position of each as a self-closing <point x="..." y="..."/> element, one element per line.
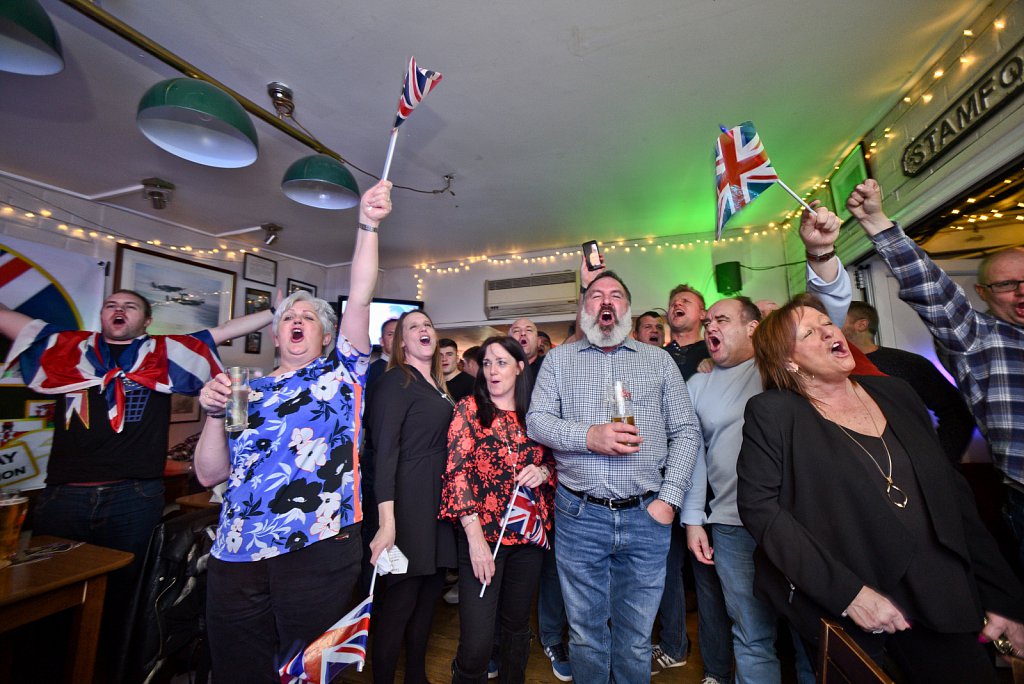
<point x="187" y="296"/>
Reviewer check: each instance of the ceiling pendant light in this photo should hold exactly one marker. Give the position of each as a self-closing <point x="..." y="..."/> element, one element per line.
<point x="320" y="181"/>
<point x="198" y="121"/>
<point x="28" y="42"/>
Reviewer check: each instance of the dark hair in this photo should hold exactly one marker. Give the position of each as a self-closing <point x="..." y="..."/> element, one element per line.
<point x="541" y="333"/>
<point x="774" y="340"/>
<point x="683" y="287"/>
<point x="472" y="353"/>
<point x="447" y="342"/>
<point x="485" y="408"/>
<point x="863" y="311"/>
<point x="645" y="314"/>
<point x="749" y="309"/>
<point x="397" y="359"/>
<point x="147" y="308"/>
<point x="614" y="276"/>
<point x="385" y="325"/>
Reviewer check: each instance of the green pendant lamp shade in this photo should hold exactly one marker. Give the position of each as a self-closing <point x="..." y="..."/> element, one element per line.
<point x="198" y="121"/>
<point x="28" y="42"/>
<point x="321" y="181"/>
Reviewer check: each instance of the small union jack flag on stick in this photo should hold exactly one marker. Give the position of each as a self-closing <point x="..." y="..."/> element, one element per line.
<point x="342" y="645"/>
<point x="742" y="172"/>
<point x="521" y="516"/>
<point x="418" y="82"/>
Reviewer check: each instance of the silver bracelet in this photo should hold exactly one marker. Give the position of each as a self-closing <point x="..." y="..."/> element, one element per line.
<point x="367" y="228"/>
<point x="469" y="520"/>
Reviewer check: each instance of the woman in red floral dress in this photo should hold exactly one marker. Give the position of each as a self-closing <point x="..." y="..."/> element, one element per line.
<point x="490" y="459"/>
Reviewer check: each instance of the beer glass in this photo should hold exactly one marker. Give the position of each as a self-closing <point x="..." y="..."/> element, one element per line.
<point x="13" y="508"/>
<point x="237" y="409"/>
<point x="620" y="404"/>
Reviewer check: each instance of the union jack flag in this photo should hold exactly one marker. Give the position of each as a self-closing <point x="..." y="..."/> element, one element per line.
<point x="60" y="362"/>
<point x="418" y="82"/>
<point x="334" y="650"/>
<point x="742" y="171"/>
<point x="524" y="517"/>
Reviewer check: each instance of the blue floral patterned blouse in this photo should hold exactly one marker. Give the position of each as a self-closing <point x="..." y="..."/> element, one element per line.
<point x="295" y="469"/>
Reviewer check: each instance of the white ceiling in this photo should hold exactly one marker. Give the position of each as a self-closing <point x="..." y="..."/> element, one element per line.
<point x="560" y="121"/>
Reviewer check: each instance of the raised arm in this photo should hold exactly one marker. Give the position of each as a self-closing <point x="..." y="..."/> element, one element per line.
<point x="12" y="322"/>
<point x="243" y="325"/>
<point x="819" y="232"/>
<point x="373" y="208"/>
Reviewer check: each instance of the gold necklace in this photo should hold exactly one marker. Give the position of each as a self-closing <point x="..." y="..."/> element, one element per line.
<point x="896" y="495"/>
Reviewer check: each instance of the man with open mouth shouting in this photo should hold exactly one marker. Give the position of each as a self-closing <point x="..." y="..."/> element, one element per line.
<point x="620" y="482"/>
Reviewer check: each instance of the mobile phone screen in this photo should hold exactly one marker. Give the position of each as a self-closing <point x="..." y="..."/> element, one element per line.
<point x="592" y="254"/>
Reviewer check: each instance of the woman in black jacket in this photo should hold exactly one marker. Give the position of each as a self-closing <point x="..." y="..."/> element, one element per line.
<point x="859" y="517"/>
<point x="409" y="429"/>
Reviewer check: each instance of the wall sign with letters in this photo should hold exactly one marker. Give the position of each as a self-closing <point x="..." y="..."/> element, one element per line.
<point x="988" y="94"/>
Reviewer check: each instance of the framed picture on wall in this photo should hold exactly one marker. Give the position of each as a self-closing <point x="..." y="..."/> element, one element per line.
<point x="184" y="409"/>
<point x="296" y="285"/>
<point x="186" y="296"/>
<point x="256" y="300"/>
<point x="259" y="269"/>
<point x="253" y="342"/>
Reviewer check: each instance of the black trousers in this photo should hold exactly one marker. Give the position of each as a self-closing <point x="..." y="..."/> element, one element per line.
<point x="403" y="611"/>
<point x="506" y="604"/>
<point x="261" y="613"/>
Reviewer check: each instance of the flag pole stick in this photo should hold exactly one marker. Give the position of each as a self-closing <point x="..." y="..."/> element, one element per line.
<point x="373" y="581"/>
<point x="794" y="195"/>
<point x="391" y="153"/>
<point x="501" y="535"/>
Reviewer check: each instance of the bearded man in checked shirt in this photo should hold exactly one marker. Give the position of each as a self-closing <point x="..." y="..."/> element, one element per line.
<point x="619" y="485"/>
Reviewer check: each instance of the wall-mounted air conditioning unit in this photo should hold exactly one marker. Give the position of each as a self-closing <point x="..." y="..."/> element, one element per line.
<point x="544" y="293"/>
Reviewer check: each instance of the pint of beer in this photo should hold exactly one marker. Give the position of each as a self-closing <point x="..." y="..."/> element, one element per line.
<point x="237" y="409"/>
<point x="13" y="508"/>
<point x="621" y="404"/>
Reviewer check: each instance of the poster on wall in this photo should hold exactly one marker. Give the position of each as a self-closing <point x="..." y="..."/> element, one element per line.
<point x="38" y="281"/>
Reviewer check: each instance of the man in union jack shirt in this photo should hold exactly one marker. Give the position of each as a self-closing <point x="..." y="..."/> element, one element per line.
<point x="104" y="482"/>
<point x="985" y="350"/>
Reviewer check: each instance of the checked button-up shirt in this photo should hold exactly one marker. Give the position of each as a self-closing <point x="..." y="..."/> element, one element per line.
<point x="986" y="353"/>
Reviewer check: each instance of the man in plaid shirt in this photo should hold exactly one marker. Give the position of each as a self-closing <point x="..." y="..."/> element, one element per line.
<point x="620" y="485"/>
<point x="985" y="349"/>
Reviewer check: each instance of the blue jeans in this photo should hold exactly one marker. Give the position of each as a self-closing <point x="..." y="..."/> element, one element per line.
<point x="119" y="516"/>
<point x="550" y="606"/>
<point x="753" y="621"/>
<point x="612" y="568"/>
<point x="672" y="609"/>
<point x="714" y="626"/>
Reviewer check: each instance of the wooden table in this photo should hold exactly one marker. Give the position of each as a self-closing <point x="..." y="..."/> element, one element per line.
<point x="196" y="502"/>
<point x="75" y="580"/>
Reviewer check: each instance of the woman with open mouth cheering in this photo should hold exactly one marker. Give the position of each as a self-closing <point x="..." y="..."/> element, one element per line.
<point x="409" y="432"/>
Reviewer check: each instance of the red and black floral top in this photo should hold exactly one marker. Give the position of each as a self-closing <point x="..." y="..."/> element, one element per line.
<point x="482" y="465"/>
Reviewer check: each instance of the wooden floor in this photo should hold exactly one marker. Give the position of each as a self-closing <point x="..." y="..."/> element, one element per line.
<point x="445" y="640"/>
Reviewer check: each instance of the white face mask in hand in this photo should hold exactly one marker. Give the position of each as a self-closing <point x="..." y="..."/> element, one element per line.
<point x="392" y="562"/>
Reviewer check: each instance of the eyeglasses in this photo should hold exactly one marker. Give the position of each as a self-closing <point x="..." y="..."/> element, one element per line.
<point x="1004" y="286"/>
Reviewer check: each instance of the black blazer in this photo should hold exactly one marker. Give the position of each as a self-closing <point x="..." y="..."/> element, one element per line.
<point x="821" y="538"/>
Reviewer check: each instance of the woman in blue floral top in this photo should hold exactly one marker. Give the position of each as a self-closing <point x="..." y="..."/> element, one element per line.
<point x="288" y="550"/>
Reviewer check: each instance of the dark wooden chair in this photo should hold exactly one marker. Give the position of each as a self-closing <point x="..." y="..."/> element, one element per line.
<point x="843" y="661"/>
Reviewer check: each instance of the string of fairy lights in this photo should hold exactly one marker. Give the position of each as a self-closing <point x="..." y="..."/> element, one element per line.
<point x="79" y="228"/>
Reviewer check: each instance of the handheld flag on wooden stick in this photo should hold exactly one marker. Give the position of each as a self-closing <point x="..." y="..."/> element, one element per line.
<point x="342" y="645"/>
<point x="418" y="82"/>
<point x="742" y="172"/>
